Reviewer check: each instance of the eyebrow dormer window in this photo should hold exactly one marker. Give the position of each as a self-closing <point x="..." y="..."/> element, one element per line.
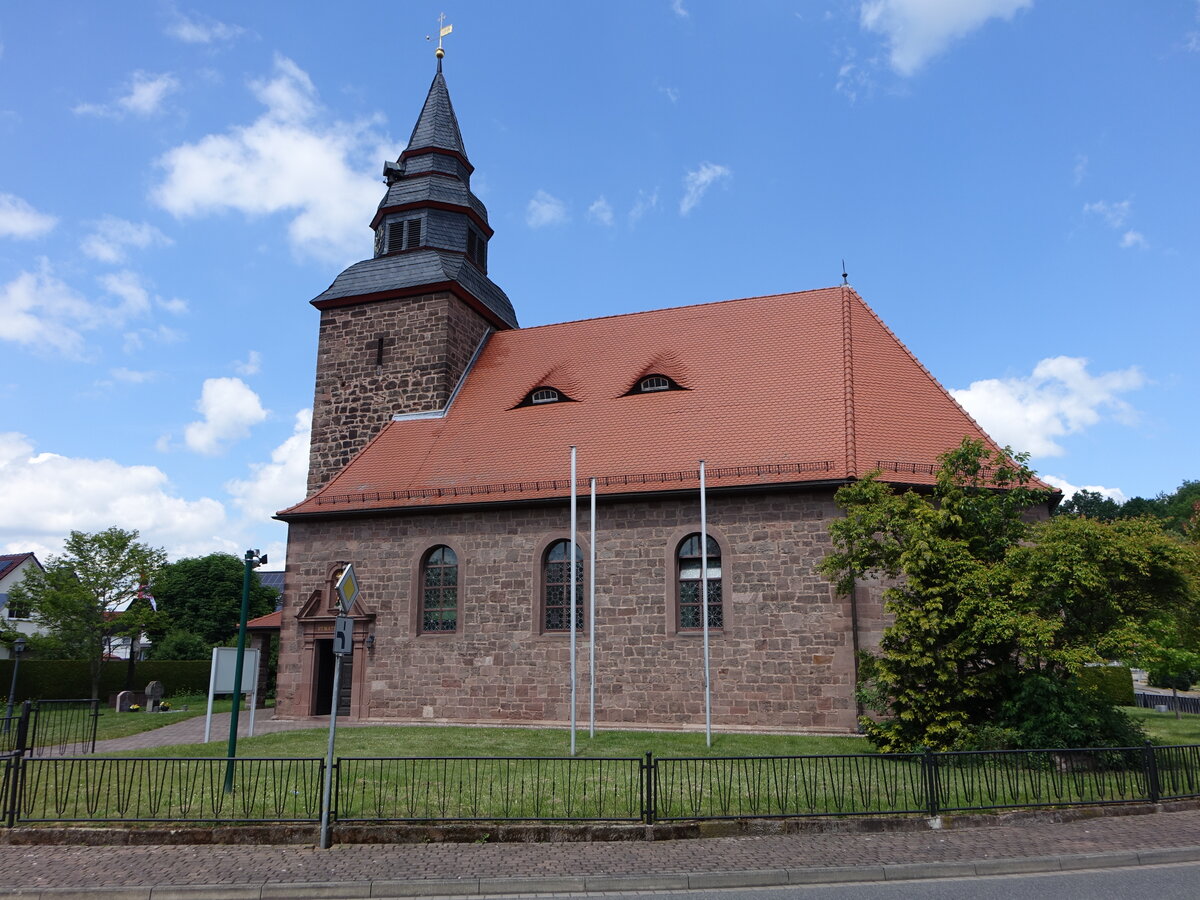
<point x="544" y="395"/>
<point x="653" y="383"/>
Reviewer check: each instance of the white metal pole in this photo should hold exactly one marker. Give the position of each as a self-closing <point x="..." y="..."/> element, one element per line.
<point x="592" y="617"/>
<point x="704" y="605"/>
<point x="571" y="552"/>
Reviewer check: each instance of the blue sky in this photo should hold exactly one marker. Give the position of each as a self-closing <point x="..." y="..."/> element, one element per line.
<point x="1012" y="184"/>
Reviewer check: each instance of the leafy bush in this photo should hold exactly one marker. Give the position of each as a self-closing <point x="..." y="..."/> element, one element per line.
<point x="181" y="645"/>
<point x="1052" y="714"/>
<point x="1179" y="680"/>
<point x="1114" y="683"/>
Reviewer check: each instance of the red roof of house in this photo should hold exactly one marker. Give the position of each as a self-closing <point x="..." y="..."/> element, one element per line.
<point x="10" y="561"/>
<point x="803" y="387"/>
<point x="264" y="623"/>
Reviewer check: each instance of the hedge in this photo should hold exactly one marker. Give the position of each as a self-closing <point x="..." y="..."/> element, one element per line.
<point x="1114" y="683"/>
<point x="60" y="679"/>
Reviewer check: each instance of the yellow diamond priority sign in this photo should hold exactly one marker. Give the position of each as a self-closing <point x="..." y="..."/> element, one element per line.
<point x="347" y="588"/>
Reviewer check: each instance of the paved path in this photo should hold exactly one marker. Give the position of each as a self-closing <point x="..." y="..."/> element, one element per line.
<point x="223" y="872"/>
<point x="191" y="731"/>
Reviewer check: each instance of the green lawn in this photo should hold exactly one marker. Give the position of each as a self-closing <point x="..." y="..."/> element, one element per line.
<point x="417" y="740"/>
<point x="1164" y="728"/>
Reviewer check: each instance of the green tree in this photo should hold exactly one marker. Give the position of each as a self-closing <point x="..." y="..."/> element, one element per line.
<point x="1091" y="504"/>
<point x="181" y="645"/>
<point x="202" y="596"/>
<point x="90" y="593"/>
<point x="993" y="614"/>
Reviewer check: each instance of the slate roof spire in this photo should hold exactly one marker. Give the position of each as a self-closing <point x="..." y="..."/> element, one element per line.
<point x="431" y="231"/>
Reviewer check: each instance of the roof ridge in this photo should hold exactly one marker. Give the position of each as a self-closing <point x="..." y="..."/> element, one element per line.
<point x="848" y="384"/>
<point x="650" y="312"/>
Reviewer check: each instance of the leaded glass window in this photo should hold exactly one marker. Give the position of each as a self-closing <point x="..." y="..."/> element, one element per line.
<point x="691" y="614"/>
<point x="439" y="591"/>
<point x="556" y="575"/>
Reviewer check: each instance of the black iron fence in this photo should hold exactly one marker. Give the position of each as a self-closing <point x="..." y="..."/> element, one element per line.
<point x="582" y="789"/>
<point x="1147" y="700"/>
<point x="51" y="727"/>
<point x="490" y="789"/>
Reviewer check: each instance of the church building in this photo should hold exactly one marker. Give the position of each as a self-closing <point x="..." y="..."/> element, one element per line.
<point x="440" y="461"/>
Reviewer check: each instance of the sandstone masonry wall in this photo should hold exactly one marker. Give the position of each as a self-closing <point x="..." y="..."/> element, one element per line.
<point x="784" y="658"/>
<point x="427" y="343"/>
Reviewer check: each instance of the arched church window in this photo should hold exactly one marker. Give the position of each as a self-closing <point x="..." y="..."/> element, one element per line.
<point x="545" y="395"/>
<point x="689" y="568"/>
<point x="439" y="591"/>
<point x="556" y="588"/>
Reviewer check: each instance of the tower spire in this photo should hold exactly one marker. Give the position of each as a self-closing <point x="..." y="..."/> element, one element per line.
<point x="443" y="30"/>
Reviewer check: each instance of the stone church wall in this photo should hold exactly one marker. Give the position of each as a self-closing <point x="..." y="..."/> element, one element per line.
<point x="427" y="343"/>
<point x="784" y="658"/>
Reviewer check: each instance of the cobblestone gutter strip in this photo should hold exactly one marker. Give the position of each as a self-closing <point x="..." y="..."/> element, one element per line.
<point x="306" y="835"/>
<point x="467" y="887"/>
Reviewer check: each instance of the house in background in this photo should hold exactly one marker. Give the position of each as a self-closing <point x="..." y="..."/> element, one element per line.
<point x="13" y="567"/>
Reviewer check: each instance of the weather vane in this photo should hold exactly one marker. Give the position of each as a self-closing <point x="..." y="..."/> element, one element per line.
<point x="443" y="30"/>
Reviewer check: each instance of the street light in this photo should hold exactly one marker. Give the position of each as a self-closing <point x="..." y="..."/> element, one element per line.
<point x="253" y="561"/>
<point x="18" y="647"/>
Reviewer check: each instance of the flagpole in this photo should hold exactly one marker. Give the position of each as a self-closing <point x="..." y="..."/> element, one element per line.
<point x="704" y="606"/>
<point x="571" y="551"/>
<point x="592" y="617"/>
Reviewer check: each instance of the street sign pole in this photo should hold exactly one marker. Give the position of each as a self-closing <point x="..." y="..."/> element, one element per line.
<point x="343" y="644"/>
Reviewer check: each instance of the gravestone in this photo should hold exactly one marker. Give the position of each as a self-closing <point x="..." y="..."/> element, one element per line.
<point x="124" y="701"/>
<point x="154" y="695"/>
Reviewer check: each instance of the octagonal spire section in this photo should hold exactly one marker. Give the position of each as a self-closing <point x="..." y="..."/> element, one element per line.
<point x="437" y="126"/>
<point x="431" y="231"/>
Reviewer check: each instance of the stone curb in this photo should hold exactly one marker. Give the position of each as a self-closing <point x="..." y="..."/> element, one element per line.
<point x="468" y="887"/>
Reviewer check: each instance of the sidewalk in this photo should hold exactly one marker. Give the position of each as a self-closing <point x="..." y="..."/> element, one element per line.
<point x="362" y="870"/>
<point x="830" y="851"/>
<point x="191" y="731"/>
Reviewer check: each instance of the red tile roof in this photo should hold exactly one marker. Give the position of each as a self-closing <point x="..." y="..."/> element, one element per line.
<point x="10" y="561"/>
<point x="803" y="387"/>
<point x="272" y="620"/>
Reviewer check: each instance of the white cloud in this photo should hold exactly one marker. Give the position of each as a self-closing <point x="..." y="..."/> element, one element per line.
<point x="678" y="8"/>
<point x="45" y="314"/>
<point x="132" y="376"/>
<point x="917" y="30"/>
<point x="161" y="334"/>
<point x="144" y="96"/>
<point x="229" y="409"/>
<point x="251" y="366"/>
<point x="1116" y="215"/>
<point x="283" y="162"/>
<point x="1070" y="490"/>
<point x="195" y="29"/>
<point x="20" y="220"/>
<point x="671" y="93"/>
<point x="128" y="287"/>
<point x="545" y="209"/>
<point x="697" y="182"/>
<point x="112" y="236"/>
<point x="1081" y="167"/>
<point x="601" y="211"/>
<point x="46" y="495"/>
<point x="1133" y="238"/>
<point x="280" y="483"/>
<point x="1059" y="398"/>
<point x="645" y="202"/>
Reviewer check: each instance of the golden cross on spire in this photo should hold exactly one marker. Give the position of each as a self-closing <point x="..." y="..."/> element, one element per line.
<point x="443" y="30"/>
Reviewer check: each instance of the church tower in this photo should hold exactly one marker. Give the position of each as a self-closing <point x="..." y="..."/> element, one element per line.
<point x="399" y="330"/>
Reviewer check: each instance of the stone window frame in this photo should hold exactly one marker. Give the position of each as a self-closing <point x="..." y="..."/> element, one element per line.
<point x="539" y="570"/>
<point x="417" y="594"/>
<point x="671" y="571"/>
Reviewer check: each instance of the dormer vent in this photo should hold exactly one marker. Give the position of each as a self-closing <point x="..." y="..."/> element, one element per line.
<point x="653" y="383"/>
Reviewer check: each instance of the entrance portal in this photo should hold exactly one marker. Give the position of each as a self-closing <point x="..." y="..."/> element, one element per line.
<point x="323" y="679"/>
